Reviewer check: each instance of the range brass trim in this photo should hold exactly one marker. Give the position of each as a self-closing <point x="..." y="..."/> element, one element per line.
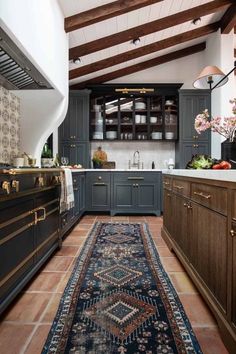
<point x="15" y="219"/>
<point x="21" y="171"/>
<point x="15" y="233"/>
<point x="20" y="265"/>
<point x="138" y="90"/>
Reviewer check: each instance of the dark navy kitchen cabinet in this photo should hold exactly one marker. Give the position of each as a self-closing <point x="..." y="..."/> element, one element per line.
<point x="77" y="153"/>
<point x="136" y="192"/>
<point x="98" y="191"/>
<point x="75" y="126"/>
<point x="74" y="131"/>
<point x="82" y="194"/>
<point x="191" y="103"/>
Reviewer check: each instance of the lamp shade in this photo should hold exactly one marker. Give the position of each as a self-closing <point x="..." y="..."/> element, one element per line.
<point x="210" y="74"/>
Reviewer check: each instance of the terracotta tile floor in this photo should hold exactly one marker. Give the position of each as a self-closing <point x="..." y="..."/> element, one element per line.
<point x="29" y="318"/>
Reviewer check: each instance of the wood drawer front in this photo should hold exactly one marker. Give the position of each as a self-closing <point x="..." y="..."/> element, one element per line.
<point x="181" y="187"/>
<point x="214" y="198"/>
<point x="167" y="182"/>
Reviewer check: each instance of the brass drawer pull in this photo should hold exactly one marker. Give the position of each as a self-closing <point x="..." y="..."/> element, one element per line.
<point x="166" y="183"/>
<point x="6" y="186"/>
<point x="178" y="187"/>
<point x="232" y="233"/>
<point x="99" y="184"/>
<point x="201" y="194"/>
<point x="139" y="178"/>
<point x="15" y="184"/>
<point x="168" y="195"/>
<point x="185" y="205"/>
<point x="43" y="217"/>
<point x="76" y="189"/>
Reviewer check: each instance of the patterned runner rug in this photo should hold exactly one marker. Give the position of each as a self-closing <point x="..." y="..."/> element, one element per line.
<point x="120" y="300"/>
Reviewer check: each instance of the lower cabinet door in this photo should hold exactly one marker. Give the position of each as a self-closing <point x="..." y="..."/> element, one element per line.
<point x="168" y="211"/>
<point x="17" y="242"/>
<point x="233" y="274"/>
<point x="209" y="249"/>
<point x="147" y="196"/>
<point x="82" y="192"/>
<point x="181" y="222"/>
<point x="47" y="228"/>
<point x="98" y="191"/>
<point x="124" y="196"/>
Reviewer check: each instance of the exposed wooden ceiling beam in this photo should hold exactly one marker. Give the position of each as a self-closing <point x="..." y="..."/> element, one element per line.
<point x="228" y="21"/>
<point x="104" y="12"/>
<point x="148" y="28"/>
<point x="141" y="66"/>
<point x="151" y="48"/>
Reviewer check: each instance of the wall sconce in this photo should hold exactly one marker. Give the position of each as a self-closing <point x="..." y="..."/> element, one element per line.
<point x="212" y="77"/>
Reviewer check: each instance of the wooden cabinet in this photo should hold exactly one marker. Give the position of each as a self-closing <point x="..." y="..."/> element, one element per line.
<point x="117" y="114"/>
<point x="136" y="192"/>
<point x="197" y="225"/>
<point x="98" y="191"/>
<point x="74" y="131"/>
<point x="191" y="103"/>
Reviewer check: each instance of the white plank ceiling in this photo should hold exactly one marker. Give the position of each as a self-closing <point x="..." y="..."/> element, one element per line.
<point x="125" y="22"/>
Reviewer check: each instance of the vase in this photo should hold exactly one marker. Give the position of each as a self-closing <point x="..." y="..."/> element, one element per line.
<point x="228" y="152"/>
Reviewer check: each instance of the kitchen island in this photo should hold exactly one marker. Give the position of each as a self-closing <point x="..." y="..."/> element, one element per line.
<point x="199" y="225"/>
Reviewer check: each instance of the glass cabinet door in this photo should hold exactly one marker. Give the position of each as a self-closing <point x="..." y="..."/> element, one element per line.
<point x="156" y="118"/>
<point x="111" y="103"/>
<point x="126" y="118"/>
<point x="171" y="118"/>
<point x="140" y="108"/>
<point x="97" y="118"/>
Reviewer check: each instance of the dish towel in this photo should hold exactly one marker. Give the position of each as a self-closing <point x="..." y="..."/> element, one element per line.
<point x="67" y="192"/>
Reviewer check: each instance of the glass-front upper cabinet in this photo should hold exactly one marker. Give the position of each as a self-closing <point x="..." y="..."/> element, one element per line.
<point x="171" y="118"/>
<point x="134" y="116"/>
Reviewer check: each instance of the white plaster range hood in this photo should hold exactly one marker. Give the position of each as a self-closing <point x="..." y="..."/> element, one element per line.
<point x="16" y="71"/>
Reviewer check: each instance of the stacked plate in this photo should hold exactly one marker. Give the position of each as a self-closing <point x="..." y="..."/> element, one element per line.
<point x="140" y="105"/>
<point x="156" y="135"/>
<point x="98" y="135"/>
<point x="169" y="135"/>
<point x="112" y="134"/>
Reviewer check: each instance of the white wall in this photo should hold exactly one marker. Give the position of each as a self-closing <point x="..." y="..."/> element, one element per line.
<point x="121" y="152"/>
<point x="37" y="27"/>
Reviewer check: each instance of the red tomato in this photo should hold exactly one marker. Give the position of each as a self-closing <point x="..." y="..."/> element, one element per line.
<point x="225" y="165"/>
<point x="217" y="167"/>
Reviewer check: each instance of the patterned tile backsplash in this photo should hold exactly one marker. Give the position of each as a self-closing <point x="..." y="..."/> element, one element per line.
<point x="9" y="125"/>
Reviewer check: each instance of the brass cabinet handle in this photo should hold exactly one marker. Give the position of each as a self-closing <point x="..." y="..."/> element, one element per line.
<point x="40" y="181"/>
<point x="201" y="194"/>
<point x="15" y="184"/>
<point x="166" y="183"/>
<point x="76" y="189"/>
<point x="43" y="217"/>
<point x="168" y="195"/>
<point x="6" y="186"/>
<point x="232" y="233"/>
<point x="195" y="137"/>
<point x="185" y="205"/>
<point x="178" y="187"/>
<point x="189" y="206"/>
<point x="195" y="145"/>
<point x="99" y="184"/>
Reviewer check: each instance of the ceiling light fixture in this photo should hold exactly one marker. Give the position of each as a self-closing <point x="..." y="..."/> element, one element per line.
<point x="212" y="75"/>
<point x="196" y="21"/>
<point x="136" y="41"/>
<point x="77" y="61"/>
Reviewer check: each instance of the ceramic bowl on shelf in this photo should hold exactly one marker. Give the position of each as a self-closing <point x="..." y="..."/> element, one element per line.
<point x="112" y="134"/>
<point x="98" y="135"/>
<point x="143" y="119"/>
<point x="156" y="135"/>
<point x="169" y="103"/>
<point x="169" y="135"/>
<point x="153" y="120"/>
<point x="140" y="105"/>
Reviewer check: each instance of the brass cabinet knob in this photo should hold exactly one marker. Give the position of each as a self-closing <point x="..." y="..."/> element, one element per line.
<point x="185" y="205"/>
<point x="6" y="186"/>
<point x="39" y="181"/>
<point x="100" y="177"/>
<point x="232" y="233"/>
<point x="15" y="184"/>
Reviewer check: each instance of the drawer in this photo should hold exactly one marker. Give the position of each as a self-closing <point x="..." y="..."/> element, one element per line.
<point x="167" y="182"/>
<point x="212" y="197"/>
<point x="98" y="177"/>
<point x="181" y="187"/>
<point x="136" y="177"/>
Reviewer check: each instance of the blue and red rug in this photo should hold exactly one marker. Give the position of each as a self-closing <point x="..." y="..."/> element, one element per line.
<point x="119" y="299"/>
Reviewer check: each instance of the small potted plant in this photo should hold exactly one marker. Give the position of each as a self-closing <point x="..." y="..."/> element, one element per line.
<point x="46" y="157"/>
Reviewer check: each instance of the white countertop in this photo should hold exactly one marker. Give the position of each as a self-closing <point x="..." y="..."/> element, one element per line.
<point x="220" y="175"/>
<point x="116" y="170"/>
